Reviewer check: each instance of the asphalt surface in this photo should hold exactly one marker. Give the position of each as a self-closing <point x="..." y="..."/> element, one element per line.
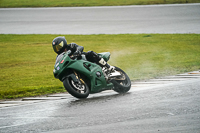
<point x="169" y="104"/>
<point x="178" y="18"/>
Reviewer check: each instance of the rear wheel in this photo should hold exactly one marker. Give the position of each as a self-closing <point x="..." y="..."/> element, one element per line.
<point x="122" y="84"/>
<point x="77" y="89"/>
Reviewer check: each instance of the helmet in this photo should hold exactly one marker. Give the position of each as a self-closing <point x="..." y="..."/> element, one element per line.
<point x="59" y="44"/>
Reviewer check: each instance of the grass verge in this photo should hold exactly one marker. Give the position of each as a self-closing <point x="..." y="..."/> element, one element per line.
<point x="26" y="63"/>
<point x="77" y="3"/>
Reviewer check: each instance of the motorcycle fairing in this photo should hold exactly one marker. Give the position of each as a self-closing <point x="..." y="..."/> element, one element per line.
<point x="105" y="55"/>
<point x="91" y="70"/>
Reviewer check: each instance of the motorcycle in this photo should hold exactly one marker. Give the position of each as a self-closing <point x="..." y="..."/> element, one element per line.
<point x="81" y="77"/>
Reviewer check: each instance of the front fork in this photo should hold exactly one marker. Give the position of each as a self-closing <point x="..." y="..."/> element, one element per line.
<point x="78" y="77"/>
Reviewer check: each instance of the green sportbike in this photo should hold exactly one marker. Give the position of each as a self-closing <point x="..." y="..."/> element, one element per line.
<point x="81" y="77"/>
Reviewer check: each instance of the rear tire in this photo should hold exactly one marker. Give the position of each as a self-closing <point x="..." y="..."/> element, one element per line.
<point x="78" y="90"/>
<point x="123" y="83"/>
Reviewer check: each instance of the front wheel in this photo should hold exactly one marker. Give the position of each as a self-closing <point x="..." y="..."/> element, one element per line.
<point x="76" y="89"/>
<point x="122" y="84"/>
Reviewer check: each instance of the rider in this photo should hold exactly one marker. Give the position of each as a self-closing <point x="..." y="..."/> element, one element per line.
<point x="60" y="45"/>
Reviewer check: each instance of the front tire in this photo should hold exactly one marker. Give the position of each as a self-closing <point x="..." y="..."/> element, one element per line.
<point x="78" y="90"/>
<point x="121" y="84"/>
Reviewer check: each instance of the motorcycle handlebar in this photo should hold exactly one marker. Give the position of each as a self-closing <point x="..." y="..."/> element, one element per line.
<point x="69" y="52"/>
<point x="75" y="56"/>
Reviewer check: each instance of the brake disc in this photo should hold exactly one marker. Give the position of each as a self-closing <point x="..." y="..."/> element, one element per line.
<point x="78" y="86"/>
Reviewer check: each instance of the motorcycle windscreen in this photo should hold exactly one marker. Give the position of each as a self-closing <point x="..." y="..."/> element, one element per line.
<point x="59" y="57"/>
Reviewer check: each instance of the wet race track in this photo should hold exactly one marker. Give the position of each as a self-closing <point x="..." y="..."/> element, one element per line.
<point x="169" y="104"/>
<point x="183" y="18"/>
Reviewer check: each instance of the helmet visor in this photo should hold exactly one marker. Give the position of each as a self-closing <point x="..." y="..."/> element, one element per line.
<point x="58" y="47"/>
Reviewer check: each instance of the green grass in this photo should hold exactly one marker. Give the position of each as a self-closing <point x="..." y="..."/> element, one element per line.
<point x="75" y="3"/>
<point x="26" y="63"/>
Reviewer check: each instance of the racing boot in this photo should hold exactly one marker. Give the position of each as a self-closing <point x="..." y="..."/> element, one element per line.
<point x="103" y="63"/>
<point x="94" y="57"/>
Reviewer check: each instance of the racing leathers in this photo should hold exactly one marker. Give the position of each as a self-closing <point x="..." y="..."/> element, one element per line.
<point x="90" y="55"/>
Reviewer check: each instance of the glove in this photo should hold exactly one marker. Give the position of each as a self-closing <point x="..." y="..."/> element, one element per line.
<point x="77" y="53"/>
